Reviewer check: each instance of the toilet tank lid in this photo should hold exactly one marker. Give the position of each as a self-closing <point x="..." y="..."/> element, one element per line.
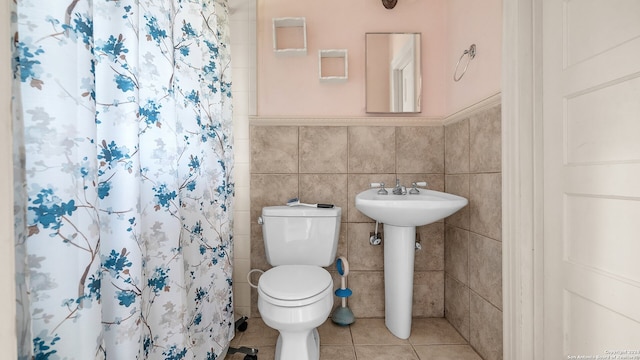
<point x="292" y="211"/>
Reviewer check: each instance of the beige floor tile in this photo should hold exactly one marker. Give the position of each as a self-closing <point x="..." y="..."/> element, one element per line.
<point x="386" y="352"/>
<point x="434" y="331"/>
<point x="431" y="339"/>
<point x="332" y="334"/>
<point x="258" y="334"/>
<point x="335" y="352"/>
<point x="373" y="332"/>
<point x="446" y="352"/>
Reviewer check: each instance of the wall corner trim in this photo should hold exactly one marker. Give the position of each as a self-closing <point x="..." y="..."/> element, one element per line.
<point x="522" y="230"/>
<point x="481" y="105"/>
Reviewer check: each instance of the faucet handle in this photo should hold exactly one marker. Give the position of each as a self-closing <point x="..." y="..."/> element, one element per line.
<point x="382" y="190"/>
<point x="414" y="187"/>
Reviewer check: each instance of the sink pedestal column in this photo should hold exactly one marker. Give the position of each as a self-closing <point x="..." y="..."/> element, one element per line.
<point x="399" y="256"/>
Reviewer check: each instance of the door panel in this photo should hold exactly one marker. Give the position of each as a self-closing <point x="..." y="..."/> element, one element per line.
<point x="591" y="120"/>
<point x="592" y="27"/>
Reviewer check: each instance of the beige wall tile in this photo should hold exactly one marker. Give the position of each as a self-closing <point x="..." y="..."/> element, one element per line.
<point x="485" y="141"/>
<point x="367" y="300"/>
<point x="485" y="328"/>
<point x="372" y="149"/>
<point x="428" y="294"/>
<point x="343" y="243"/>
<point x="255" y="313"/>
<point x="456" y="137"/>
<point x="458" y="185"/>
<point x="456" y="305"/>
<point x="420" y="149"/>
<point x="431" y="257"/>
<point x="473" y="258"/>
<point x="271" y="190"/>
<point x="325" y="188"/>
<point x="274" y="149"/>
<point x="485" y="268"/>
<point x="485" y="205"/>
<point x="456" y="254"/>
<point x="363" y="255"/>
<point x="258" y="257"/>
<point x="434" y="181"/>
<point x="323" y="149"/>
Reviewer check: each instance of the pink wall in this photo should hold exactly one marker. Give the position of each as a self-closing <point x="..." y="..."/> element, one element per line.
<point x="480" y="23"/>
<point x="289" y="85"/>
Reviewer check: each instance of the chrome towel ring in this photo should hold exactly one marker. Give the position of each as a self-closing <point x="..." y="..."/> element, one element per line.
<point x="470" y="53"/>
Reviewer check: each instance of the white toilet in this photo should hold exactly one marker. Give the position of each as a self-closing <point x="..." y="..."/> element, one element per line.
<point x="296" y="295"/>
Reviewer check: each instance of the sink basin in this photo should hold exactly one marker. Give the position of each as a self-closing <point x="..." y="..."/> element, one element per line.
<point x="408" y="210"/>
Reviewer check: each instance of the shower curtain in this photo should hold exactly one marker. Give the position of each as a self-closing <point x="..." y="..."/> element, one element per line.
<point x="123" y="156"/>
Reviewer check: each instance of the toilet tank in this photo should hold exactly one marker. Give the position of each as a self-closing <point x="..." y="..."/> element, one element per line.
<point x="297" y="235"/>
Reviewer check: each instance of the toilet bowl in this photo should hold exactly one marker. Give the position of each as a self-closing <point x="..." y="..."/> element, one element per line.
<point x="295" y="300"/>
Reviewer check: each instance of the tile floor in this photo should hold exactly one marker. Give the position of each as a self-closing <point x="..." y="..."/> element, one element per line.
<point x="431" y="339"/>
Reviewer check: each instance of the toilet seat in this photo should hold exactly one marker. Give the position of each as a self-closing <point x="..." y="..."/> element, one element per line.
<point x="295" y="285"/>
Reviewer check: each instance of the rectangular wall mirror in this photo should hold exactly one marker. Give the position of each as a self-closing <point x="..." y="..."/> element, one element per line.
<point x="393" y="72"/>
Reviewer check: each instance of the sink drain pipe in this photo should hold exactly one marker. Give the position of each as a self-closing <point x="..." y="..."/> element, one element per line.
<point x="374" y="237"/>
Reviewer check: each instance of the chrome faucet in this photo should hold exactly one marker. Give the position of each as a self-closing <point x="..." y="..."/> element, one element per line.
<point x="399" y="189"/>
<point x="382" y="190"/>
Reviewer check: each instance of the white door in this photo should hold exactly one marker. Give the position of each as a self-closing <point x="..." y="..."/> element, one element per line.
<point x="591" y="120"/>
<point x="408" y="83"/>
<point x="403" y="77"/>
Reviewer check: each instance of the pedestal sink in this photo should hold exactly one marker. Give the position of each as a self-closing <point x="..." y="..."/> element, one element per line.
<point x="400" y="215"/>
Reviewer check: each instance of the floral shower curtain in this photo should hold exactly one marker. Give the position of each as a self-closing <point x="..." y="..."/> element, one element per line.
<point x="122" y="126"/>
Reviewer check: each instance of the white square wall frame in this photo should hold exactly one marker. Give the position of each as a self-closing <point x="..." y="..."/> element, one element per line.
<point x="339" y="69"/>
<point x="290" y="36"/>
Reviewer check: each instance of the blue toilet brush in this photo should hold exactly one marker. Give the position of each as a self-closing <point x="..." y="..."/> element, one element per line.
<point x="343" y="315"/>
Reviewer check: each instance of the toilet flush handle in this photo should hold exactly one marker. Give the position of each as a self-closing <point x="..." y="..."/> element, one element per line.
<point x="260" y="220"/>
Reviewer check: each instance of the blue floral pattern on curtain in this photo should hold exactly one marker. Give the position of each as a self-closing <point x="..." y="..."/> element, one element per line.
<point x="122" y="121"/>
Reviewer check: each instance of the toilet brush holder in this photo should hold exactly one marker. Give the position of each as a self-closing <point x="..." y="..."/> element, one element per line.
<point x="343" y="315"/>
